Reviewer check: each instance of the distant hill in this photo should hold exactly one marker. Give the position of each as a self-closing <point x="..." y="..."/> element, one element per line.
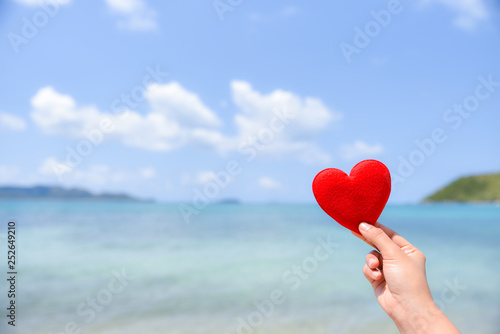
<point x="44" y="192"/>
<point x="480" y="188"/>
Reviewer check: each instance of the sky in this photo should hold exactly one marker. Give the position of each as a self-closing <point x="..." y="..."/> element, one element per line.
<point x="208" y="100"/>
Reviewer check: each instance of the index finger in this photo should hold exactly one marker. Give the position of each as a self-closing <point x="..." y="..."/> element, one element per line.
<point x="398" y="240"/>
<point x="378" y="237"/>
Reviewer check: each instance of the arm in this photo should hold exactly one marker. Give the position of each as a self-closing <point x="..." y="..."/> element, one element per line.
<point x="396" y="271"/>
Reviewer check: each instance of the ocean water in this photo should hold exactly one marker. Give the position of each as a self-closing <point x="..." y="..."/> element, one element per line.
<point x="140" y="268"/>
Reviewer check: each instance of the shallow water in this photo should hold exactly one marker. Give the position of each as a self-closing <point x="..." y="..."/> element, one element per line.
<point x="220" y="272"/>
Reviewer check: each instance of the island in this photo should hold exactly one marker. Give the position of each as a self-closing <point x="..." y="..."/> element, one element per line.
<point x="479" y="188"/>
<point x="59" y="193"/>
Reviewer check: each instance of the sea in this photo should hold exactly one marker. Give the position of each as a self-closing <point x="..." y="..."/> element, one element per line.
<point x="133" y="267"/>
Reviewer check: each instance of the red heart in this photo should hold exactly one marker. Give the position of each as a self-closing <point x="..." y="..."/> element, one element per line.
<point x="358" y="197"/>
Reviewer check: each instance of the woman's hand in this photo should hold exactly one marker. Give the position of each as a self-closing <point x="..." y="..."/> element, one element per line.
<point x="396" y="271"/>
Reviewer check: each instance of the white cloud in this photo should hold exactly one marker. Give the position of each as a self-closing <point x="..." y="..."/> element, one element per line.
<point x="257" y="109"/>
<point x="180" y="105"/>
<point x="469" y="12"/>
<point x="134" y="14"/>
<point x="58" y="114"/>
<point x="124" y="6"/>
<point x="165" y="128"/>
<point x="41" y="2"/>
<point x="359" y="149"/>
<point x="179" y="118"/>
<point x="308" y="116"/>
<point x="268" y="183"/>
<point x="11" y="122"/>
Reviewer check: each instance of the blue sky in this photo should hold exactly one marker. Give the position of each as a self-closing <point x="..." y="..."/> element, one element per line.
<point x="246" y="99"/>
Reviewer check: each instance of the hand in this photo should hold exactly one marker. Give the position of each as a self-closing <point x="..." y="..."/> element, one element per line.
<point x="396" y="271"/>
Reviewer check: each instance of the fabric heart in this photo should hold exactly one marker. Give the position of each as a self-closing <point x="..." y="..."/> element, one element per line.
<point x="358" y="197"/>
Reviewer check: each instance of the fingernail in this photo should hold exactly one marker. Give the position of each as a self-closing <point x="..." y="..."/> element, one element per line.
<point x="364" y="227"/>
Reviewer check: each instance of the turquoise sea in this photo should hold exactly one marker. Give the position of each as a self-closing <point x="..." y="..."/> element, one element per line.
<point x="140" y="268"/>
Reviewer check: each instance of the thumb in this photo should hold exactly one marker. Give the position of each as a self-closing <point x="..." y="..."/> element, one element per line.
<point x="379" y="238"/>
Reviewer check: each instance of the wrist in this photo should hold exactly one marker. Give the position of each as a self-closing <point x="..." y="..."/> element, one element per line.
<point x="424" y="318"/>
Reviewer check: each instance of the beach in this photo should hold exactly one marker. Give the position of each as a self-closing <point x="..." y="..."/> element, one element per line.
<point x="115" y="267"/>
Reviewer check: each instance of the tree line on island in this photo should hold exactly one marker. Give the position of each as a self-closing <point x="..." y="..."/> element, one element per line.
<point x="479" y="188"/>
